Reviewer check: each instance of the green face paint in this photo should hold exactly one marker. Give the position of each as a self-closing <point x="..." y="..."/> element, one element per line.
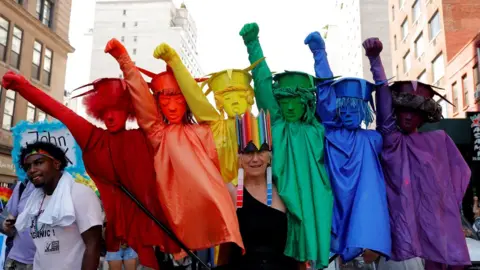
<point x="292" y="108"/>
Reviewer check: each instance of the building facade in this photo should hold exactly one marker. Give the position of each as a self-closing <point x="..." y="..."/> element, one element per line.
<point x="34" y="43"/>
<point x="426" y="34"/>
<point x="462" y="80"/>
<point x="142" y="25"/>
<point x="355" y="21"/>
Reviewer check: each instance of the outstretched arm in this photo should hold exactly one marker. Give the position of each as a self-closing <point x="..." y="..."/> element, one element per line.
<point x="146" y="110"/>
<point x="383" y="95"/>
<point x="80" y="128"/>
<point x="326" y="99"/>
<point x="262" y="76"/>
<point x="196" y="100"/>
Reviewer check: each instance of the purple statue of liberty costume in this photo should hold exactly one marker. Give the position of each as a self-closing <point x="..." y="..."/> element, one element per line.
<point x="425" y="173"/>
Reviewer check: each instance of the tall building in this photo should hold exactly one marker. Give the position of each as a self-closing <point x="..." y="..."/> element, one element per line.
<point x="427" y="34"/>
<point x="33" y="42"/>
<point x="354" y="22"/>
<point x="142" y="25"/>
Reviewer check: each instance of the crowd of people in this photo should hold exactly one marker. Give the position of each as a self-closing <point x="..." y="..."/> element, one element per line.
<point x="300" y="182"/>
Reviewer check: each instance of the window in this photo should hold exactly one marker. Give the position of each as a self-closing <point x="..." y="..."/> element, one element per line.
<point x="416" y="10"/>
<point x="135" y="24"/>
<point x="122" y="38"/>
<point x="455" y="97"/>
<point x="47" y="67"/>
<point x="44" y="12"/>
<point x="124" y="12"/>
<point x="395" y="42"/>
<point x="434" y="25"/>
<point x="438" y="68"/>
<point x="465" y="86"/>
<point x="422" y="77"/>
<point x="419" y="46"/>
<point x="20" y="2"/>
<point x="134" y="51"/>
<point x="401" y="3"/>
<point x="41" y="116"/>
<point x="4" y="29"/>
<point x="407" y="62"/>
<point x="135" y="39"/>
<point x="37" y="56"/>
<point x="16" y="47"/>
<point x="123" y="24"/>
<point x="444" y="106"/>
<point x="475" y="76"/>
<point x="30" y="112"/>
<point x="405" y="29"/>
<point x="8" y="110"/>
<point x="393" y="13"/>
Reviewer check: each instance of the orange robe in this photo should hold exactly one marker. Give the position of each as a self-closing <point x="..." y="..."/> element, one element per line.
<point x="195" y="200"/>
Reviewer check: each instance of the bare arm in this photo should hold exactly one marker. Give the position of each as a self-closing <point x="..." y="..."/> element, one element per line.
<point x="91" y="257"/>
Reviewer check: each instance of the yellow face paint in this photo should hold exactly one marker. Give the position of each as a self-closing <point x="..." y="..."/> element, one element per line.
<point x="235" y="103"/>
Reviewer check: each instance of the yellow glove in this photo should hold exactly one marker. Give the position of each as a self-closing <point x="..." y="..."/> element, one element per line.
<point x="165" y="52"/>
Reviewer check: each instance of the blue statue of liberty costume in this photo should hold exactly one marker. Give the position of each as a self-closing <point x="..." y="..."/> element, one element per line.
<point x="360" y="213"/>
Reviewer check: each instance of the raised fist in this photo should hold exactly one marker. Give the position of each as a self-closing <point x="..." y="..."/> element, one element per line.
<point x="373" y="47"/>
<point x="249" y="32"/>
<point x="13" y="81"/>
<point x="164" y="52"/>
<point x="315" y="42"/>
<point x="115" y="48"/>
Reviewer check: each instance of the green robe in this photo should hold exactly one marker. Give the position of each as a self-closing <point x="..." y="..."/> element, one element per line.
<point x="299" y="171"/>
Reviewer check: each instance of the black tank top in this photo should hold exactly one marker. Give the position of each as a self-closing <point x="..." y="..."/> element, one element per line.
<point x="264" y="234"/>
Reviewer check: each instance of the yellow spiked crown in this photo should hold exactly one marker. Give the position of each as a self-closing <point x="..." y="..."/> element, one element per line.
<point x="230" y="80"/>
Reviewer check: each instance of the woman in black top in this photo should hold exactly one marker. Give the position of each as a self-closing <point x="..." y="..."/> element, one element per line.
<point x="263" y="222"/>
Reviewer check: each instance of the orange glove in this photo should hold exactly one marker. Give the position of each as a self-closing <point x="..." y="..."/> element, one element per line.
<point x="13" y="81"/>
<point x="115" y="48"/>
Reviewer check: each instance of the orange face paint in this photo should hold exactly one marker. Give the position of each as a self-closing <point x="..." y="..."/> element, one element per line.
<point x="173" y="107"/>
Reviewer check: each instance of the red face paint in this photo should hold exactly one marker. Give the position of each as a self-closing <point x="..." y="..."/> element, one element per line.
<point x="173" y="107"/>
<point x="115" y="119"/>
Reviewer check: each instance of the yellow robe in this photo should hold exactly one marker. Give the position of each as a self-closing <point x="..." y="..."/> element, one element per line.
<point x="223" y="130"/>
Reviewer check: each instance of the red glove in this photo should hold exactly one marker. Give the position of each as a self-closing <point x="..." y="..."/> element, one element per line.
<point x="115" y="48"/>
<point x="13" y="81"/>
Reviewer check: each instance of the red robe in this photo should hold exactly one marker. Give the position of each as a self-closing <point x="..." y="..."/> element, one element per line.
<point x="125" y="157"/>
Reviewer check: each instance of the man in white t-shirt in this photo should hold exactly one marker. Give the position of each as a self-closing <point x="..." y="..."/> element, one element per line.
<point x="64" y="217"/>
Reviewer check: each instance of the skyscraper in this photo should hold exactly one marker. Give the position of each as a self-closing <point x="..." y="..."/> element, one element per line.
<point x="33" y="42"/>
<point x="141" y="26"/>
<point x="354" y="22"/>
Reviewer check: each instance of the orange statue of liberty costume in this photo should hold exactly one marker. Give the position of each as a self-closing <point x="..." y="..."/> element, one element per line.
<point x="196" y="202"/>
<point x="233" y="95"/>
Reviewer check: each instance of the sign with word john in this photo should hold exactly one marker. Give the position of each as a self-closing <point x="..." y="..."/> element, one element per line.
<point x="54" y="132"/>
<point x="475" y="129"/>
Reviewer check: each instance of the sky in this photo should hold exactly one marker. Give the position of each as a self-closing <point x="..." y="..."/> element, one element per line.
<point x="284" y="24"/>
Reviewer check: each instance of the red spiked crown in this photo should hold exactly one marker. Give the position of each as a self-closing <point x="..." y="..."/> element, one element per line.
<point x="107" y="93"/>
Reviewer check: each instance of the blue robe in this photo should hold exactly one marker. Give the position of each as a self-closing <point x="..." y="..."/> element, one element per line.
<point x="360" y="212"/>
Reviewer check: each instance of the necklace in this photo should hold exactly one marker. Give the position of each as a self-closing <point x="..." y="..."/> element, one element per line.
<point x="38" y="214"/>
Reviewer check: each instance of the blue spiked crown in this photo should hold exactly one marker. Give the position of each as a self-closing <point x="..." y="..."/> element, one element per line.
<point x="350" y="87"/>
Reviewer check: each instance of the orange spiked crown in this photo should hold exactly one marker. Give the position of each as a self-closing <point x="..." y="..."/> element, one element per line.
<point x="164" y="83"/>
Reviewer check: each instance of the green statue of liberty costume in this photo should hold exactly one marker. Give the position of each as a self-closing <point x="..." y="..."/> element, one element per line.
<point x="298" y="158"/>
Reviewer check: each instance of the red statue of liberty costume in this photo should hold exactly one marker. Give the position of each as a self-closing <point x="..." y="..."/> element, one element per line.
<point x="112" y="157"/>
<point x="197" y="204"/>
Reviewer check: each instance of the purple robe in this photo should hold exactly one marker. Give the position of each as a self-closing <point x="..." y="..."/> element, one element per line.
<point x="426" y="179"/>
